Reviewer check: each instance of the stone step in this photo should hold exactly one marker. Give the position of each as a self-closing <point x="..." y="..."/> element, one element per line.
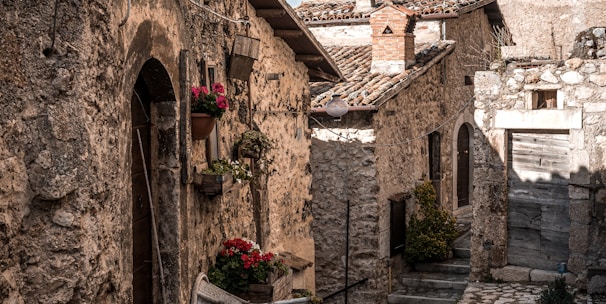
<point x="429" y="280"/>
<point x="461" y="253"/>
<point x="450" y="266"/>
<point x="436" y="296"/>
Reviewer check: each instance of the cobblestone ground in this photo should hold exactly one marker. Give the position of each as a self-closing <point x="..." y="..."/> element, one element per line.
<point x="516" y="293"/>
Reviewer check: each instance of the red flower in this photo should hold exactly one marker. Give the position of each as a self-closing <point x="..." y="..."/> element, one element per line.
<point x="218" y="88"/>
<point x="204" y="90"/>
<point x="222" y="102"/>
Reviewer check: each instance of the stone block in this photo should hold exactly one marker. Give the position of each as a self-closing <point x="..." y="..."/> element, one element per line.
<point x="579" y="238"/>
<point x="600" y="79"/>
<point x="594" y="107"/>
<point x="578" y="193"/>
<point x="548" y="76"/>
<point x="572" y="77"/>
<point x="597" y="284"/>
<point x="580" y="211"/>
<point x="573" y="63"/>
<point x="511" y="274"/>
<point x="540" y="275"/>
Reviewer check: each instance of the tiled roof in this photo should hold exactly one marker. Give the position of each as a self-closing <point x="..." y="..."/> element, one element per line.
<point x="318" y="10"/>
<point x="363" y="88"/>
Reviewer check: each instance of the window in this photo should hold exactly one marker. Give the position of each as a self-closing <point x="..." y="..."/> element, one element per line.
<point x="207" y="78"/>
<point x="468" y="80"/>
<point x="544" y="99"/>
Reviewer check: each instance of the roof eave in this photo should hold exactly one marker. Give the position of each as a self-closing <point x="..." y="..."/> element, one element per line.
<point x="304" y="45"/>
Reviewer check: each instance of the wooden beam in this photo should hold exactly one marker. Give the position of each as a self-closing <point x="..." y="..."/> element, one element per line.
<point x="315" y="74"/>
<point x="309" y="58"/>
<point x="288" y="33"/>
<point x="270" y="12"/>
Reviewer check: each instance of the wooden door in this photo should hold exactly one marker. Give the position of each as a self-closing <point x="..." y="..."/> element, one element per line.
<point x="538" y="201"/>
<point x="141" y="221"/>
<point x="463" y="149"/>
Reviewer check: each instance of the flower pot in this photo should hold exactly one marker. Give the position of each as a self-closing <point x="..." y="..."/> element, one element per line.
<point x="201" y="125"/>
<point x="279" y="289"/>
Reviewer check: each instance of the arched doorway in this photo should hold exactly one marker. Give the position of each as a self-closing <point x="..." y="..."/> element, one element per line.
<point x="154" y="134"/>
<point x="463" y="165"/>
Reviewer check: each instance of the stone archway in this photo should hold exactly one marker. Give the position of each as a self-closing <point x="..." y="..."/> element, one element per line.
<point x="153" y="131"/>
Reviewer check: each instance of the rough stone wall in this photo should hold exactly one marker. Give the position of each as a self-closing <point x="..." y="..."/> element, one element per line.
<point x="581" y="97"/>
<point x="65" y="140"/>
<point x="344" y="170"/>
<point x="548" y="28"/>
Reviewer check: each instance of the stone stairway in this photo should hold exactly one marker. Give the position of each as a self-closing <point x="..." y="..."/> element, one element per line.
<point x="436" y="283"/>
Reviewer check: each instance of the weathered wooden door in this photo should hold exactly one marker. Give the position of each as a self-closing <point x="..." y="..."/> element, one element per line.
<point x="463" y="150"/>
<point x="538" y="216"/>
<point x="141" y="221"/>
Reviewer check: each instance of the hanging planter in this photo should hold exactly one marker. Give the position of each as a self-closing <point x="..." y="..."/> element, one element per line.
<point x="253" y="144"/>
<point x="201" y="125"/>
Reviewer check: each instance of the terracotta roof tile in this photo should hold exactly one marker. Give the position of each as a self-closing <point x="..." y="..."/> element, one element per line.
<point x="363" y="88"/>
<point x="318" y="10"/>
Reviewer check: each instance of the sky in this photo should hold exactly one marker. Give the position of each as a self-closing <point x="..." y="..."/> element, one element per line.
<point x="294" y="3"/>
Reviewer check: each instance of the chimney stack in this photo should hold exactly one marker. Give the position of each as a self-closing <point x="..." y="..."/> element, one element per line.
<point x="393" y="43"/>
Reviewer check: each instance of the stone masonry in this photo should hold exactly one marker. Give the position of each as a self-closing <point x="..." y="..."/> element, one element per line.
<point x="503" y="104"/>
<point x="65" y="146"/>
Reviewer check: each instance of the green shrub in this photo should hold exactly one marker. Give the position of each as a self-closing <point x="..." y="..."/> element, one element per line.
<point x="429" y="236"/>
<point x="556" y="293"/>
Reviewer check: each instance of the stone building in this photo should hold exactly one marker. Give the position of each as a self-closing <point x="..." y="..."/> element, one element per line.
<point x="76" y="83"/>
<point x="539" y="197"/>
<point x="409" y="72"/>
<point x="546" y="28"/>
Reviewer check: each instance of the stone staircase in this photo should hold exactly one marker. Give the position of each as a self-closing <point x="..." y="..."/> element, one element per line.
<point x="436" y="283"/>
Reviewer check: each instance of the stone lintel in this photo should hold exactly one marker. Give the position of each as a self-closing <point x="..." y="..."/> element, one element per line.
<point x="539" y="119"/>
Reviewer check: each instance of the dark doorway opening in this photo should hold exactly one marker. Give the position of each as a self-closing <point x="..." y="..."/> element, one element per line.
<point x="463" y="153"/>
<point x="141" y="212"/>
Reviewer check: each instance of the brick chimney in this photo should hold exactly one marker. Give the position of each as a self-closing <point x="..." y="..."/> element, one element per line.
<point x="364" y="5"/>
<point x="393" y="43"/>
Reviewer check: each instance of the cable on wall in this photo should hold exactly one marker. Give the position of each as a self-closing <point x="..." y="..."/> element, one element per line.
<point x="208" y="9"/>
<point x="405" y="142"/>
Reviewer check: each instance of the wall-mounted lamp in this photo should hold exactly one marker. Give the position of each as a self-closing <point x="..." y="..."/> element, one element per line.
<point x="336" y="107"/>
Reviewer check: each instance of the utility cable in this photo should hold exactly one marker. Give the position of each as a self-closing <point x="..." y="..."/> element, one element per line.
<point x="405" y="142"/>
<point x="208" y="9"/>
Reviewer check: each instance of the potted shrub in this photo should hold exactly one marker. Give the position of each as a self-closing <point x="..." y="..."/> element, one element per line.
<point x="206" y="108"/>
<point x="253" y="144"/>
<point x="221" y="175"/>
<point x="241" y="268"/>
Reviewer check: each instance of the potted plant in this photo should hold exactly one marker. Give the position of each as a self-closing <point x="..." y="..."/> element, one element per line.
<point x="253" y="144"/>
<point x="206" y="108"/>
<point x="241" y="268"/>
<point x="221" y="175"/>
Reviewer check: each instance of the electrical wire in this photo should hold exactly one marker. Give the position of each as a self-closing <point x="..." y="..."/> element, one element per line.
<point x="405" y="142"/>
<point x="467" y="103"/>
<point x="208" y="9"/>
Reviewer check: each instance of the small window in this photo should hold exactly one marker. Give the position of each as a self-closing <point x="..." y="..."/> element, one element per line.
<point x="468" y="80"/>
<point x="546" y="99"/>
<point x="387" y="30"/>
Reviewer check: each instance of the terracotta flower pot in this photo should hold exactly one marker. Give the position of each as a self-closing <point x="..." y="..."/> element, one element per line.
<point x="201" y="125"/>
